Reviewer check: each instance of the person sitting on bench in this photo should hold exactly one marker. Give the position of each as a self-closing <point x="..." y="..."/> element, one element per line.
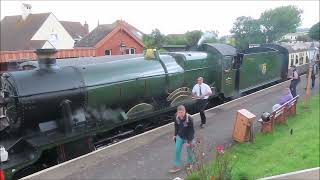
<point x="287" y="96"/>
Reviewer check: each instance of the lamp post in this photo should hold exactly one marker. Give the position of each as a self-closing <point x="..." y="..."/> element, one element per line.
<point x="122" y="47"/>
<point x="311" y="53"/>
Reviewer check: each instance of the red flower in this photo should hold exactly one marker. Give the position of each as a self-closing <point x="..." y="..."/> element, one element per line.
<point x="220" y="149"/>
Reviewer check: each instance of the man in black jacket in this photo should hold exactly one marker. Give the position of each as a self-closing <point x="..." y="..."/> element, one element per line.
<point x="183" y="134"/>
<point x="313" y="74"/>
<point x="295" y="79"/>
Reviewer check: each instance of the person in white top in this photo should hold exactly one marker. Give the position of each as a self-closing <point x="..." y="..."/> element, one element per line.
<point x="201" y="91"/>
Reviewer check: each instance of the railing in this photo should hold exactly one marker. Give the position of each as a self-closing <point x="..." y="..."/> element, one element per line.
<point x="6" y="56"/>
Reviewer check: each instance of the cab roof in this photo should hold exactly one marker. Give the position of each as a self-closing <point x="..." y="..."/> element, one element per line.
<point x="223" y="49"/>
<point x="191" y="55"/>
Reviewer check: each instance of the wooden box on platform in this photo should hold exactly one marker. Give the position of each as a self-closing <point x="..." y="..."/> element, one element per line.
<point x="266" y="127"/>
<point x="243" y="125"/>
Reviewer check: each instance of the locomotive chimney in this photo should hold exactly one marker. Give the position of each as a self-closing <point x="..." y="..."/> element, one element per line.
<point x="47" y="58"/>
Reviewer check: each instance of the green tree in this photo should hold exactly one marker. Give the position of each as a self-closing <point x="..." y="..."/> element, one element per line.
<point x="213" y="37"/>
<point x="280" y="21"/>
<point x="192" y="37"/>
<point x="176" y="39"/>
<point x="223" y="39"/>
<point x="154" y="40"/>
<point x="314" y="32"/>
<point x="246" y="30"/>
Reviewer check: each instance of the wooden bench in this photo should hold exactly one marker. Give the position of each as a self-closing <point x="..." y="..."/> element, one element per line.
<point x="292" y="106"/>
<point x="280" y="115"/>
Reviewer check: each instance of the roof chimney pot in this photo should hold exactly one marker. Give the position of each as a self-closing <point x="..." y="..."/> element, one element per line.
<point x="86" y="26"/>
<point x="26" y="10"/>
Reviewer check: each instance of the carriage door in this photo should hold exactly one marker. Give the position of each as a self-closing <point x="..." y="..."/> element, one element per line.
<point x="228" y="76"/>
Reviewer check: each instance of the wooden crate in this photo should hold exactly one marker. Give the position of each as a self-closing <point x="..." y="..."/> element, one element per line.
<point x="243" y="124"/>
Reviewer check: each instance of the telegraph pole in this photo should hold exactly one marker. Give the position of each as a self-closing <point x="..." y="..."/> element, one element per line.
<point x="311" y="53"/>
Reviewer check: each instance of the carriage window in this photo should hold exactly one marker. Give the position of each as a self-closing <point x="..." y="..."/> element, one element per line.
<point x="300" y="59"/>
<point x="291" y="62"/>
<point x="107" y="52"/>
<point x="291" y="59"/>
<point x="307" y="59"/>
<point x="297" y="60"/>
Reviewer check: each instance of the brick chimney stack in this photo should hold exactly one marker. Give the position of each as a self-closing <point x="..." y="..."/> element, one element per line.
<point x="26" y="10"/>
<point x="86" y="26"/>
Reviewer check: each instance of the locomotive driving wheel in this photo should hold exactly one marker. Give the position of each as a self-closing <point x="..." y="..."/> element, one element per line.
<point x="8" y="109"/>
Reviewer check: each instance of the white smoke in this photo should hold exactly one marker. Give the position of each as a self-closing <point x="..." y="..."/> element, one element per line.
<point x="205" y="36"/>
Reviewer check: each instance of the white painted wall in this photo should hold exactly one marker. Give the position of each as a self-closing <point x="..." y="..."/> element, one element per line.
<point x="293" y="36"/>
<point x="51" y="28"/>
<point x="47" y="45"/>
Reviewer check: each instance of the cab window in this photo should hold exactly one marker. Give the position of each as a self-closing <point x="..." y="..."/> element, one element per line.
<point x="227" y="63"/>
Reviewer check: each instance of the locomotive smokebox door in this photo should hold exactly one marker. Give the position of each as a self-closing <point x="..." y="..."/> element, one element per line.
<point x="244" y="123"/>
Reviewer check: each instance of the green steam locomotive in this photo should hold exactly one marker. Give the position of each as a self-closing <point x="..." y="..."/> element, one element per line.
<point x="59" y="112"/>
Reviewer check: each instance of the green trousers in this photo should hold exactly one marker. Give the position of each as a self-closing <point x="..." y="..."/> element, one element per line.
<point x="179" y="145"/>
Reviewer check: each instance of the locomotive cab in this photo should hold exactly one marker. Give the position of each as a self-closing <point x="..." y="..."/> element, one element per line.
<point x="223" y="62"/>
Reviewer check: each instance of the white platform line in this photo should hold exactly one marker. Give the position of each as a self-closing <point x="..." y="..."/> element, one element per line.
<point x="291" y="173"/>
<point x="148" y="132"/>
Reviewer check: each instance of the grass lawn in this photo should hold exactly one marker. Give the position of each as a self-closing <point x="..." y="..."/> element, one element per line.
<point x="279" y="152"/>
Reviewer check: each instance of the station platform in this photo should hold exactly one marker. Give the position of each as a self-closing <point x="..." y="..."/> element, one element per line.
<point x="150" y="155"/>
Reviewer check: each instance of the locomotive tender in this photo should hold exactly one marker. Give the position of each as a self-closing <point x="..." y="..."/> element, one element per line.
<point x="53" y="112"/>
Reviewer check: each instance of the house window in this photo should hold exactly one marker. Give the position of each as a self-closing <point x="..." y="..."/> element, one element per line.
<point x="107" y="52"/>
<point x="131" y="51"/>
<point x="53" y="38"/>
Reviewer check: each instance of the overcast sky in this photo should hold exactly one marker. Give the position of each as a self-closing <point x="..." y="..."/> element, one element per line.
<point x="170" y="17"/>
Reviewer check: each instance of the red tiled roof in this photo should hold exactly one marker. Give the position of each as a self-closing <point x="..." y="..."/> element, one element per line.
<point x="96" y="35"/>
<point x="101" y="31"/>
